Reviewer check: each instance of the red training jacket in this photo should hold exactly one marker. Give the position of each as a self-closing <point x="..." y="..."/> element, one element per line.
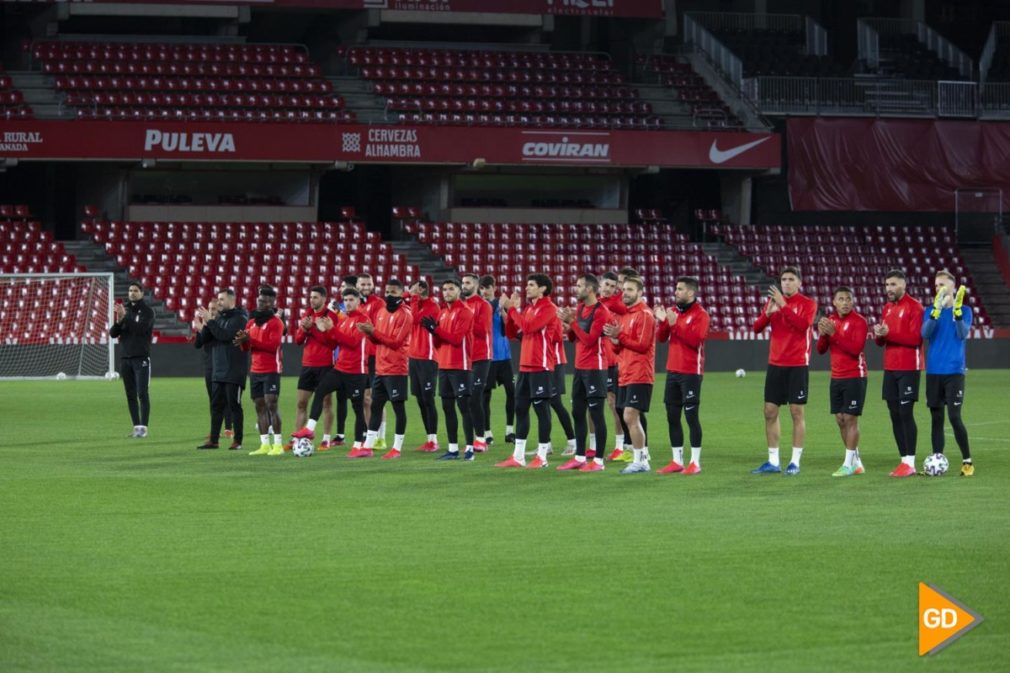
<point x="371" y="308"/>
<point x="391" y="337"/>
<point x="790" y="341"/>
<point x="483" y="316"/>
<point x="591" y="350"/>
<point x="534" y="322"/>
<point x="636" y="347"/>
<point x="317" y="351"/>
<point x="265" y="344"/>
<point x="452" y="336"/>
<point x="422" y="342"/>
<point x="687" y="340"/>
<point x="353" y="356"/>
<point x="847" y="344"/>
<point x="903" y="343"/>
<point x="615" y="304"/>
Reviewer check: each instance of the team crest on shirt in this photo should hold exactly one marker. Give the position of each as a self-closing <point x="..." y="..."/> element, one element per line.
<point x="395" y="392"/>
<point x="592" y="389"/>
<point x="540" y="389"/>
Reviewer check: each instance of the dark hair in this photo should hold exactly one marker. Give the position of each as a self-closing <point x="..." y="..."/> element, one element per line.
<point x="793" y="270"/>
<point x="592" y="281"/>
<point x="636" y="280"/>
<point x="628" y="271"/>
<point x="472" y="275"/>
<point x="227" y="290"/>
<point x="542" y="280"/>
<point x="895" y="273"/>
<point x="690" y="281"/>
<point x="394" y="282"/>
<point x="842" y="288"/>
<point x="267" y="291"/>
<point x="451" y="281"/>
<point x="349" y="280"/>
<point x="610" y="275"/>
<point x="136" y="284"/>
<point x="487" y="281"/>
<point x="350" y="292"/>
<point x="423" y="286"/>
<point x="319" y="289"/>
<point x="363" y="275"/>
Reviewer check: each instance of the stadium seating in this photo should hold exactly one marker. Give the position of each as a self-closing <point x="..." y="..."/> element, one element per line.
<point x="185" y="263"/>
<point x="563" y="251"/>
<point x="502" y="88"/>
<point x="778" y="53"/>
<point x="902" y="55"/>
<point x="856" y="257"/>
<point x="707" y="108"/>
<point x="194" y="82"/>
<point x="12" y="105"/>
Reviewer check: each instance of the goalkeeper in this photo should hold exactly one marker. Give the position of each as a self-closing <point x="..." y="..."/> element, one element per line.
<point x="945" y="328"/>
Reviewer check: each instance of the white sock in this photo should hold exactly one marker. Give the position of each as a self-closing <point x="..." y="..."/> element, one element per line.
<point x="678" y="454"/>
<point x="640" y="456"/>
<point x="908" y="460"/>
<point x="326" y="438"/>
<point x="592" y="441"/>
<point x="509" y="430"/>
<point x="696" y="455"/>
<point x="270" y="429"/>
<point x="370" y="438"/>
<point x="628" y="447"/>
<point x="598" y="461"/>
<point x="398" y="442"/>
<point x="433" y="439"/>
<point x="519" y="452"/>
<point x="580" y="459"/>
<point x="773" y="456"/>
<point x="480" y="438"/>
<point x="278" y="439"/>
<point x="542" y="450"/>
<point x="454" y="448"/>
<point x="382" y="429"/>
<point x="619" y="441"/>
<point x="311" y="425"/>
<point x="850" y="458"/>
<point x="264" y="439"/>
<point x="570" y="445"/>
<point x="859" y="461"/>
<point x="797" y="452"/>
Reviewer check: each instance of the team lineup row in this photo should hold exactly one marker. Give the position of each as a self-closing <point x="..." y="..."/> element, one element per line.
<point x="370" y="351"/>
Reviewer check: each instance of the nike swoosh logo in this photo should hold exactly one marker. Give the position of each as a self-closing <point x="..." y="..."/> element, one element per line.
<point x="717" y="156"/>
<point x="907" y="402"/>
<point x="688" y="408"/>
<point x="957" y="404"/>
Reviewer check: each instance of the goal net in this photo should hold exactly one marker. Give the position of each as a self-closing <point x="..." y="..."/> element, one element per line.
<point x="56" y="325"/>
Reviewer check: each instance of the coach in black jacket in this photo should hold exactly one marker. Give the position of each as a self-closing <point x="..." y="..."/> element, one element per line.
<point x="208" y="365"/>
<point x="230" y="365"/>
<point x="133" y="327"/>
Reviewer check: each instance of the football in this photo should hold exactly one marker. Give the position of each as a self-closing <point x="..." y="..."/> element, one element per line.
<point x="61" y="376"/>
<point x="740" y="373"/>
<point x="935" y="465"/>
<point x="303" y="448"/>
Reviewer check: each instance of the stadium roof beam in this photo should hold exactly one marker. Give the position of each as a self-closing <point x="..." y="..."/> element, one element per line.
<point x="232" y="12"/>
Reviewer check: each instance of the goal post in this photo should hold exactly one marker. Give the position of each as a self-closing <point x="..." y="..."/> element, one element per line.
<point x="56" y="325"/>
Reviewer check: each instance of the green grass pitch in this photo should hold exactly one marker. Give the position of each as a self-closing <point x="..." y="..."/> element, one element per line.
<point x="147" y="555"/>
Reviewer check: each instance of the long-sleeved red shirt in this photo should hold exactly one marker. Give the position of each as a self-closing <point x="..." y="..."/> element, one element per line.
<point x="371" y="308"/>
<point x="422" y="342"/>
<point x="847" y="344"/>
<point x="636" y="347"/>
<point x="483" y="316"/>
<point x="391" y="337"/>
<point x="557" y="337"/>
<point x="452" y="336"/>
<point x="791" y="339"/>
<point x="591" y="350"/>
<point x="265" y="344"/>
<point x="317" y="351"/>
<point x="536" y="353"/>
<point x="903" y="343"/>
<point x="353" y="356"/>
<point x="615" y="304"/>
<point x="687" y="340"/>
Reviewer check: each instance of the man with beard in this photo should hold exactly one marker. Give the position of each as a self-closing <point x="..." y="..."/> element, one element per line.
<point x="134" y="327"/>
<point x="481" y="340"/>
<point x="231" y="364"/>
<point x="501" y="363"/>
<point x="208" y="364"/>
<point x="391" y="334"/>
<point x="317" y="359"/>
<point x="262" y="337"/>
<point x="371" y="304"/>
<point x="423" y="366"/>
<point x="612" y="298"/>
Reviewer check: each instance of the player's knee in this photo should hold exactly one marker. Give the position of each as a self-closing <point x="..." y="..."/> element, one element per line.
<point x="771" y="412"/>
<point x="796" y="411"/>
<point x="630" y="415"/>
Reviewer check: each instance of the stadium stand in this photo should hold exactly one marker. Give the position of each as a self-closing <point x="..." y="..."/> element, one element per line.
<point x="243" y="255"/>
<point x="778" y="53"/>
<point x="12" y="105"/>
<point x="502" y="88"/>
<point x="707" y="108"/>
<point x="194" y="82"/>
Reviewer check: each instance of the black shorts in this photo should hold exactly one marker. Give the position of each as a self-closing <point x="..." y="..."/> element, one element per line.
<point x="310" y="377"/>
<point x="481" y="371"/>
<point x="392" y="388"/>
<point x="944" y="389"/>
<point x="847" y="396"/>
<point x="682" y="390"/>
<point x="612" y="379"/>
<point x="589" y="384"/>
<point x="635" y="395"/>
<point x="786" y="385"/>
<point x="423" y="376"/>
<point x="499" y="374"/>
<point x="559" y="380"/>
<point x="351" y="386"/>
<point x="371" y="369"/>
<point x="901" y="386"/>
<point x="535" y="385"/>
<point x="264" y="384"/>
<point x="454" y="383"/>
